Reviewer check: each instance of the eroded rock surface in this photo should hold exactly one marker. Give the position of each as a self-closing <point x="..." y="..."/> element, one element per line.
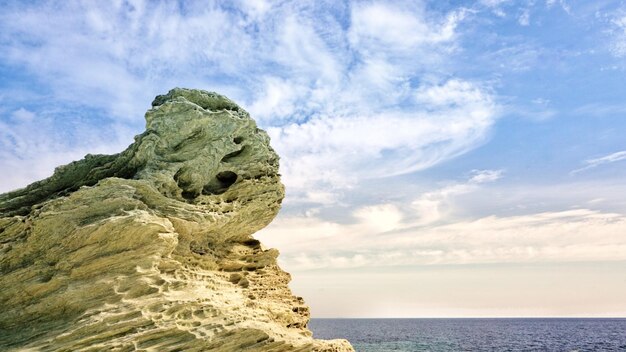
<point x="151" y="249"/>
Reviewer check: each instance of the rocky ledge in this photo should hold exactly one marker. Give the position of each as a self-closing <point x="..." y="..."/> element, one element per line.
<point x="152" y="249"/>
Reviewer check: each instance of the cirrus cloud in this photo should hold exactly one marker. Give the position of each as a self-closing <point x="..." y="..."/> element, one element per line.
<point x="341" y="96"/>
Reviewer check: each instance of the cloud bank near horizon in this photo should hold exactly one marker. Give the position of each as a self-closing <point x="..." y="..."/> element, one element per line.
<point x="425" y="231"/>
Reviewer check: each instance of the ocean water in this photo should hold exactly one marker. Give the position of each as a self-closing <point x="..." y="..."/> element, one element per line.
<point x="378" y="335"/>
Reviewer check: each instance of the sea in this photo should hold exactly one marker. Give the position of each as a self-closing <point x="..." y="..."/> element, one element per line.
<point x="489" y="334"/>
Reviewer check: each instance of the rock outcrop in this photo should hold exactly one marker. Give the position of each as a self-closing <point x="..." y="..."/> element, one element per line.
<point x="151" y="249"/>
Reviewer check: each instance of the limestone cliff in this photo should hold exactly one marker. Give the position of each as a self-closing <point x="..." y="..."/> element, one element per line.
<point x="151" y="249"/>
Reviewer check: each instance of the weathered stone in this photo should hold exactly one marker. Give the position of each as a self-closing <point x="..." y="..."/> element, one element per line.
<point x="151" y="249"/>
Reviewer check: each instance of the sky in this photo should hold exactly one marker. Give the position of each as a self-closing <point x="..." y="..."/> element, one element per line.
<point x="441" y="158"/>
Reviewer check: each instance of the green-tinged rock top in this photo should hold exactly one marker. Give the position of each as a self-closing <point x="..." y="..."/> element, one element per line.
<point x="196" y="144"/>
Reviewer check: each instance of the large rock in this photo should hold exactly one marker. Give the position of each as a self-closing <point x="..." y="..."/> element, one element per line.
<point x="151" y="249"/>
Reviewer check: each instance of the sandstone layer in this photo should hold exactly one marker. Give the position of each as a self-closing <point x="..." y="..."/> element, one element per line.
<point x="152" y="249"/>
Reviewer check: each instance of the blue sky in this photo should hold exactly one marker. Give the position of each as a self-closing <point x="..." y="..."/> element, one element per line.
<point x="433" y="141"/>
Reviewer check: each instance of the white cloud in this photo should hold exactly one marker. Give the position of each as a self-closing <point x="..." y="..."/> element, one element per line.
<point x="600" y="110"/>
<point x="382" y="217"/>
<point x="434" y="228"/>
<point x="340" y="101"/>
<point x="436" y="205"/>
<point x="314" y="196"/>
<point x="617" y="156"/>
<point x="115" y="55"/>
<point x="453" y="93"/>
<point x="493" y="3"/>
<point x="607" y="159"/>
<point x="524" y="18"/>
<point x="256" y="8"/>
<point x="536" y="110"/>
<point x="279" y="100"/>
<point x="372" y="226"/>
<point x="573" y="235"/>
<point x="564" y="5"/>
<point x="516" y="57"/>
<point x="32" y="147"/>
<point x="482" y="176"/>
<point x="496" y="6"/>
<point x="618" y="45"/>
<point x="398" y="28"/>
<point x="23" y="115"/>
<point x="337" y="151"/>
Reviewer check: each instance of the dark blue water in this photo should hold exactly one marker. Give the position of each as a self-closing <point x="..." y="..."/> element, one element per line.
<point x="378" y="335"/>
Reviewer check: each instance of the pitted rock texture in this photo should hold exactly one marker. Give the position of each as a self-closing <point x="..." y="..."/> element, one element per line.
<point x="152" y="249"/>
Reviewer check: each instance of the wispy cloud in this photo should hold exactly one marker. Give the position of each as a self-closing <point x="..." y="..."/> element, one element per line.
<point x="32" y="145"/>
<point x="600" y="110"/>
<point x="538" y="110"/>
<point x="515" y="56"/>
<point x="482" y="176"/>
<point x="618" y="32"/>
<point x="401" y="28"/>
<point x="380" y="232"/>
<point x="436" y="205"/>
<point x="573" y="235"/>
<point x="524" y="17"/>
<point x="496" y="6"/>
<point x="452" y="118"/>
<point x="494" y="3"/>
<point x="563" y="4"/>
<point x="607" y="159"/>
<point x="342" y="96"/>
<point x="429" y="229"/>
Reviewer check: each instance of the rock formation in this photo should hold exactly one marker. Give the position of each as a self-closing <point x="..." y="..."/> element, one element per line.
<point x="151" y="249"/>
